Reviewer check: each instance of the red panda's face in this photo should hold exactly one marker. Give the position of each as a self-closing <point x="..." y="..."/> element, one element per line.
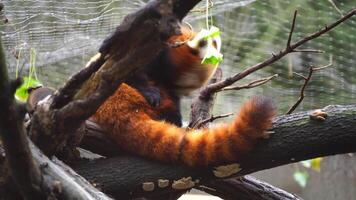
<point x="201" y="45"/>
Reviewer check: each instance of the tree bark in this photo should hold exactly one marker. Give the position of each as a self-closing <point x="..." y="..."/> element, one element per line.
<point x="246" y="188"/>
<point x="296" y="137"/>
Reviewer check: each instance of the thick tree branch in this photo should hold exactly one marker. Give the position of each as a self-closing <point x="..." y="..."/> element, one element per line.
<point x="34" y="174"/>
<point x="68" y="184"/>
<point x="247" y="188"/>
<point x="24" y="171"/>
<point x="201" y="108"/>
<point x="296" y="137"/>
<point x="61" y="180"/>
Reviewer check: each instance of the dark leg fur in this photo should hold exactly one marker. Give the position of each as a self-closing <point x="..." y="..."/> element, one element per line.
<point x="141" y="82"/>
<point x="173" y="116"/>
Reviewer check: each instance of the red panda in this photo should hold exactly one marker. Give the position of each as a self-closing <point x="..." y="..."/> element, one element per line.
<point x="132" y="123"/>
<point x="179" y="70"/>
<point x="153" y="130"/>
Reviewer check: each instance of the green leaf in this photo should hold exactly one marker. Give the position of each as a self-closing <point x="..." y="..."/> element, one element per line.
<point x="28" y="82"/>
<point x="212" y="32"/>
<point x="301" y="177"/>
<point x="212" y="57"/>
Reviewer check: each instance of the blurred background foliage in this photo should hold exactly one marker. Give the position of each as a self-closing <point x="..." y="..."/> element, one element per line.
<point x="64" y="34"/>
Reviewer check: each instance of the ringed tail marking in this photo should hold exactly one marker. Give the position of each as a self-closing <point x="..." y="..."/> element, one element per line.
<point x="131" y="122"/>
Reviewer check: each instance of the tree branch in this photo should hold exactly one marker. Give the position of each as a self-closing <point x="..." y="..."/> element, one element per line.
<point x="296" y="137"/>
<point x="201" y="108"/>
<point x="252" y="84"/>
<point x="212" y="88"/>
<point x="34" y="174"/>
<point x="306" y="81"/>
<point x="25" y="173"/>
<point x="291" y="30"/>
<point x="247" y="188"/>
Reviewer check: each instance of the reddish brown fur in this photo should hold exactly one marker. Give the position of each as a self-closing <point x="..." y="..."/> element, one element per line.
<point x="181" y="55"/>
<point x="186" y="34"/>
<point x="131" y="122"/>
<point x="189" y="73"/>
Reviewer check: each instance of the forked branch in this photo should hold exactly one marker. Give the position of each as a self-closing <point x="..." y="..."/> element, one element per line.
<point x="306" y="81"/>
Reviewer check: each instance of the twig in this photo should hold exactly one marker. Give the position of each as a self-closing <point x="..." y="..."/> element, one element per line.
<point x="307" y="79"/>
<point x="291" y="29"/>
<point x="300" y="75"/>
<point x="335" y="7"/>
<point x="252" y="84"/>
<point x="213" y="88"/>
<point x="325" y="66"/>
<point x="301" y="97"/>
<point x="211" y="119"/>
<point x="309" y="50"/>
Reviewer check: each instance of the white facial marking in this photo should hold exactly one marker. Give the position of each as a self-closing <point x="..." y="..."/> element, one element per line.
<point x="194" y="43"/>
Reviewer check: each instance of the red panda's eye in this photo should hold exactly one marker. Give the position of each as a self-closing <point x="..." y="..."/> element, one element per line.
<point x="202" y="43"/>
<point x="195" y="52"/>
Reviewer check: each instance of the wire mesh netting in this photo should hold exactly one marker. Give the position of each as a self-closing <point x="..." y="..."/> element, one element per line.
<point x="60" y="36"/>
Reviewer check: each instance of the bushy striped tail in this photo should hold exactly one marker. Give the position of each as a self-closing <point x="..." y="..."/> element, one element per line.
<point x="138" y="133"/>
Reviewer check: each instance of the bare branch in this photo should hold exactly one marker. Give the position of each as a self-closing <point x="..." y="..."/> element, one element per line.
<point x="309" y="51"/>
<point x="307" y="79"/>
<point x="301" y="97"/>
<point x="211" y="119"/>
<point x="212" y="88"/>
<point x="300" y="75"/>
<point x="335" y="7"/>
<point x="325" y="66"/>
<point x="252" y="84"/>
<point x="291" y="29"/>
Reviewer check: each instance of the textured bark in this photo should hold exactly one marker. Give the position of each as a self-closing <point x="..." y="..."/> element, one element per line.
<point x="58" y="181"/>
<point x="246" y="188"/>
<point x="296" y="137"/>
<point x="201" y="107"/>
<point x="24" y="172"/>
